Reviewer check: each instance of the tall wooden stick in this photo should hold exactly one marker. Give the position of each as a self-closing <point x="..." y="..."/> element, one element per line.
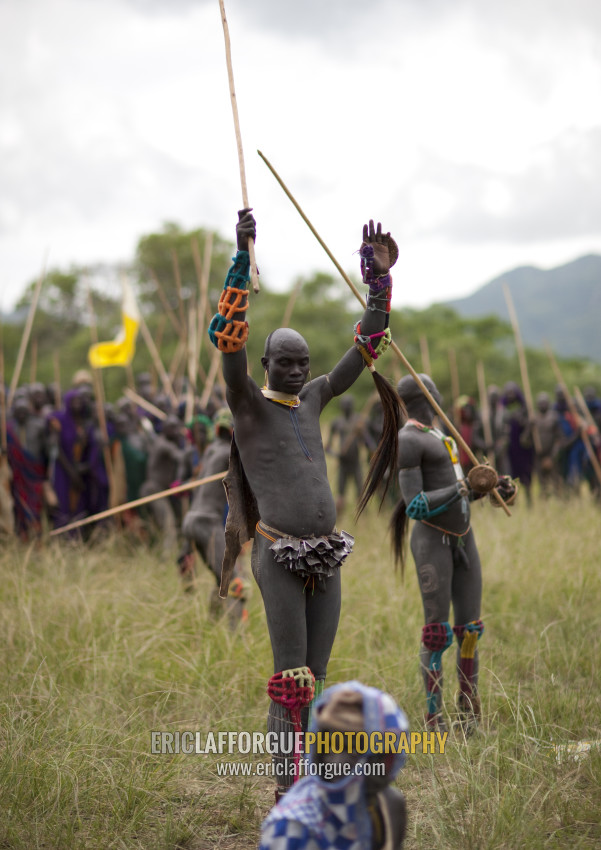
<point x="523" y="367"/>
<point x="444" y="418"/>
<point x="230" y="73"/>
<point x="145" y="500"/>
<point x="132" y="395"/>
<point x="592" y="455"/>
<point x="158" y="363"/>
<point x="26" y="333"/>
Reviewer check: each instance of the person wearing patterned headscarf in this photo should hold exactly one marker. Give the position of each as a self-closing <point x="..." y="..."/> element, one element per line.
<point x="345" y="801"/>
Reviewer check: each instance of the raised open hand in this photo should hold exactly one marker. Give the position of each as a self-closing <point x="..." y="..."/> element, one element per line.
<point x="385" y="250"/>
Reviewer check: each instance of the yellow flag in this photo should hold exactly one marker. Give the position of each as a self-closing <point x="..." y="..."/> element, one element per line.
<point x="121" y="350"/>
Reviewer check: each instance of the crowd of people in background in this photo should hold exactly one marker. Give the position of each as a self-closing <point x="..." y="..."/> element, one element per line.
<point x="62" y="466"/>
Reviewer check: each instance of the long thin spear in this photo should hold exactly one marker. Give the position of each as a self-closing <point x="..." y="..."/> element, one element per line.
<point x="230" y="73"/>
<point x="25" y="338"/>
<point x="145" y="500"/>
<point x="523" y="367"/>
<point x="393" y="344"/>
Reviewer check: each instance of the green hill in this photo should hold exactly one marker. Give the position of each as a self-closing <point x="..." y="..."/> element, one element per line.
<point x="561" y="306"/>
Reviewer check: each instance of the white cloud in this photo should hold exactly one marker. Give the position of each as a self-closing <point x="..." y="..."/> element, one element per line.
<point x="470" y="129"/>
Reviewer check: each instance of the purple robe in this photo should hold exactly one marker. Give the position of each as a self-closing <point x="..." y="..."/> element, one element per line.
<point x="73" y="438"/>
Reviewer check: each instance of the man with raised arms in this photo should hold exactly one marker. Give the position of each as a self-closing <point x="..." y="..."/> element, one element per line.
<point x="297" y="550"/>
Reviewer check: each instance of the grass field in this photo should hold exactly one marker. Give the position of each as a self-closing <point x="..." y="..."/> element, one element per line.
<point x="100" y="646"/>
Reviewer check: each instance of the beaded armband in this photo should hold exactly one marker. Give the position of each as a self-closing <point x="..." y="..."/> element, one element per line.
<point x="419" y="507"/>
<point x="372" y="345"/>
<point x="226" y="333"/>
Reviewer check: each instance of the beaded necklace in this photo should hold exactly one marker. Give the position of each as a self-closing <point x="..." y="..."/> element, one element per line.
<point x="290" y="401"/>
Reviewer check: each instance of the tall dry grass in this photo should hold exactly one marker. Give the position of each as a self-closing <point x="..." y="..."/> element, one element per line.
<point x="100" y="647"/>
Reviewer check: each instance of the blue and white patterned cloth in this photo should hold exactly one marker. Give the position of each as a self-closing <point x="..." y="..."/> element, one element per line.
<point x="316" y="814"/>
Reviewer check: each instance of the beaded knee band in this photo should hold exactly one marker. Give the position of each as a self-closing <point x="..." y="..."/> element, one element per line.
<point x="437" y="636"/>
<point x="293" y="689"/>
<point x="468" y="637"/>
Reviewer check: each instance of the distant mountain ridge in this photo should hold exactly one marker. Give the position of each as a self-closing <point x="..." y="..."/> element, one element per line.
<point x="561" y="306"/>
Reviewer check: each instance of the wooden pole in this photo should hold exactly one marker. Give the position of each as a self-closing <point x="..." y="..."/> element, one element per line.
<point x="444" y="418"/>
<point x="158" y="364"/>
<point x="145" y="500"/>
<point x="141" y="402"/>
<point x="254" y="276"/>
<point x="425" y="352"/>
<point x="25" y="337"/>
<point x="592" y="455"/>
<point x="523" y="367"/>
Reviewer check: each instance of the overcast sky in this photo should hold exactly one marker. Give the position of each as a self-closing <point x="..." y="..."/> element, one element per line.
<point x="470" y="128"/>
